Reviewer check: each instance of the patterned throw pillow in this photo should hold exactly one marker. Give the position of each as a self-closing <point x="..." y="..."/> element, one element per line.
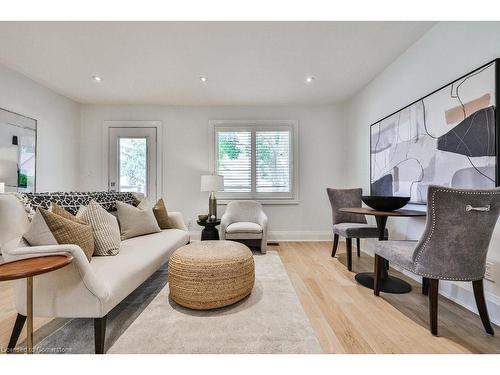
<point x="72" y="201"/>
<point x="104" y="227"/>
<point x="62" y="231"/>
<point x="135" y="222"/>
<point x="58" y="210"/>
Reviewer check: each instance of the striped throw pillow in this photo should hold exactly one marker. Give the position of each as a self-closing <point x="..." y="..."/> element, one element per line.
<point x="104" y="228"/>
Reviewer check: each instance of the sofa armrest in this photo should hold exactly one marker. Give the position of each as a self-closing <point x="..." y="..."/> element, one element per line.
<point x="177" y="221"/>
<point x="82" y="266"/>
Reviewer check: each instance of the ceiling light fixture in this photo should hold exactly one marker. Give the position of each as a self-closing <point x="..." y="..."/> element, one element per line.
<point x="310" y="79"/>
<point x="203" y="79"/>
<point x="97" y="78"/>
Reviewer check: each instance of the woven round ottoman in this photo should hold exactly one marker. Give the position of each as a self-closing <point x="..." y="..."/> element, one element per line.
<point x="210" y="274"/>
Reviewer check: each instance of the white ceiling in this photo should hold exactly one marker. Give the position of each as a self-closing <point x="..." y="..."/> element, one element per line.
<point x="247" y="63"/>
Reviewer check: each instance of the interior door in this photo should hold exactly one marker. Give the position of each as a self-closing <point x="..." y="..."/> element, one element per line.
<point x="132" y="160"/>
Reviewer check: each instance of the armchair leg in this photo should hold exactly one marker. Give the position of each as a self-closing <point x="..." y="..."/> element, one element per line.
<point x="433" y="305"/>
<point x="348" y="243"/>
<point x="425" y="286"/>
<point x="16" y="331"/>
<point x="100" y="334"/>
<point x="377" y="277"/>
<point x="358" y="247"/>
<point x="477" y="285"/>
<point x="335" y="244"/>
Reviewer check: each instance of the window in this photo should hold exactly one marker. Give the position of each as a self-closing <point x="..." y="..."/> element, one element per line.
<point x="256" y="160"/>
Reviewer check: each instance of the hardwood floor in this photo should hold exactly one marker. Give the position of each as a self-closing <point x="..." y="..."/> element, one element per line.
<point x="347" y="317"/>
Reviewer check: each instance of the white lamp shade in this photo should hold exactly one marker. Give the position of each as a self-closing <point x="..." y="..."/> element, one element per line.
<point x="212" y="182"/>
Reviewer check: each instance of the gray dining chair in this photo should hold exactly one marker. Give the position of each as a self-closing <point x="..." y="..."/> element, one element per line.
<point x="454" y="245"/>
<point x="349" y="225"/>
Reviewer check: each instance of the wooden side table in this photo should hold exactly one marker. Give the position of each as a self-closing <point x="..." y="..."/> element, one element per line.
<point x="28" y="268"/>
<point x="210" y="232"/>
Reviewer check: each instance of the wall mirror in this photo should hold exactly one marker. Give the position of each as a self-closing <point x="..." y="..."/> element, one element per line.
<point x="17" y="152"/>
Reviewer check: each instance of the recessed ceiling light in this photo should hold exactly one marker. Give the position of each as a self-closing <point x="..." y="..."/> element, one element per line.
<point x="203" y="79"/>
<point x="310" y="79"/>
<point x="97" y="78"/>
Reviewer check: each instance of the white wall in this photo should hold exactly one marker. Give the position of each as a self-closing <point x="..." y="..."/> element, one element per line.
<point x="186" y="152"/>
<point x="58" y="123"/>
<point x="443" y="54"/>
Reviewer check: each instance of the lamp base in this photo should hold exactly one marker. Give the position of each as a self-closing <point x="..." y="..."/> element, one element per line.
<point x="212" y="206"/>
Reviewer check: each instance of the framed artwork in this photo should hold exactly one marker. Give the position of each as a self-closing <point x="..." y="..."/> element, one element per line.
<point x="449" y="138"/>
<point x="17" y="152"/>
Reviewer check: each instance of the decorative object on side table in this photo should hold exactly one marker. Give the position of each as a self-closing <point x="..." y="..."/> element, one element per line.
<point x="27" y="269"/>
<point x="209" y="275"/>
<point x="202" y="218"/>
<point x="212" y="183"/>
<point x="210" y="232"/>
<point x="385" y="203"/>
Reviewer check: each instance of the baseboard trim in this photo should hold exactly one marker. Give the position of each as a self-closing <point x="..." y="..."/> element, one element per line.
<point x="286" y="235"/>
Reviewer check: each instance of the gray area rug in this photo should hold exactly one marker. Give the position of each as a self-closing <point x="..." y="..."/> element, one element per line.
<point x="270" y="320"/>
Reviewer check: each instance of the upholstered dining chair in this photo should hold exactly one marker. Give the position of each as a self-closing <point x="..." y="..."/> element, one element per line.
<point x="244" y="221"/>
<point x="349" y="225"/>
<point x="454" y="245"/>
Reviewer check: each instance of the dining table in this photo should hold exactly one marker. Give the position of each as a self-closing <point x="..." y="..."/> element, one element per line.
<point x="389" y="284"/>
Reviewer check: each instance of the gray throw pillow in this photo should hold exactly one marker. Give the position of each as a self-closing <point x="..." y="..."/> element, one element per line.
<point x="135" y="221"/>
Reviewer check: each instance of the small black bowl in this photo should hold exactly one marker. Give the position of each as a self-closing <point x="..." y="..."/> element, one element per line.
<point x="382" y="203"/>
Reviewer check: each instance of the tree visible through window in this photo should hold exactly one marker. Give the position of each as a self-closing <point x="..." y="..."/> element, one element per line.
<point x="133" y="164"/>
<point x="255" y="162"/>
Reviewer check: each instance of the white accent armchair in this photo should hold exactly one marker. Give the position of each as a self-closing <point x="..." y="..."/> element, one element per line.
<point x="244" y="220"/>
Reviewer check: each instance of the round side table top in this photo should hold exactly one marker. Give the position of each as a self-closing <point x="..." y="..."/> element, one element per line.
<point x="370" y="211"/>
<point x="209" y="223"/>
<point x="28" y="267"/>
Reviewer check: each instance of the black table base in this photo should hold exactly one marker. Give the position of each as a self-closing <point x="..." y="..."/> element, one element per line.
<point x="209" y="233"/>
<point x="388" y="284"/>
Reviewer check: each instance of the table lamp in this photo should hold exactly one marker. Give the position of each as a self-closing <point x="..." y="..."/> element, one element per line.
<point x="212" y="183"/>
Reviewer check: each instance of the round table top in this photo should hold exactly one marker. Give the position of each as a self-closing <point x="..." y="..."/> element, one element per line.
<point x="28" y="267"/>
<point x="209" y="223"/>
<point x="371" y="211"/>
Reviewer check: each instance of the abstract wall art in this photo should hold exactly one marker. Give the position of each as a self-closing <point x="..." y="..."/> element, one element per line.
<point x="447" y="138"/>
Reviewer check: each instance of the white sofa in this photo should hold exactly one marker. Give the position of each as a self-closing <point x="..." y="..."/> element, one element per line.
<point x="83" y="289"/>
<point x="244" y="220"/>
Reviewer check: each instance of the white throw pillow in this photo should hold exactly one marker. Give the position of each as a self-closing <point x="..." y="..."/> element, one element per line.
<point x="135" y="221"/>
<point x="39" y="233"/>
<point x="104" y="228"/>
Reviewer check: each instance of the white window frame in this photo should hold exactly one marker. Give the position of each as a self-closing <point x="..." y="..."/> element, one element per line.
<point x="253" y="126"/>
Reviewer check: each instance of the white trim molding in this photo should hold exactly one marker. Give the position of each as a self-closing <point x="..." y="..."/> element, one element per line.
<point x="133" y="124"/>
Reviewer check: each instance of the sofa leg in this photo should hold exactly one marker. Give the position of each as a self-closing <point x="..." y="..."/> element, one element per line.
<point x="100" y="334"/>
<point x="335" y="244"/>
<point x="16" y="331"/>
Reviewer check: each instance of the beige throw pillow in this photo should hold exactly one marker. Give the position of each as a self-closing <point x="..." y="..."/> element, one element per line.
<point x="104" y="228"/>
<point x="62" y="231"/>
<point x="135" y="221"/>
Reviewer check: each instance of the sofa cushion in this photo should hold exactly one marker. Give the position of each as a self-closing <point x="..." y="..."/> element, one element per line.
<point x="244" y="227"/>
<point x="38" y="232"/>
<point x="139" y="258"/>
<point x="135" y="221"/>
<point x="104" y="228"/>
